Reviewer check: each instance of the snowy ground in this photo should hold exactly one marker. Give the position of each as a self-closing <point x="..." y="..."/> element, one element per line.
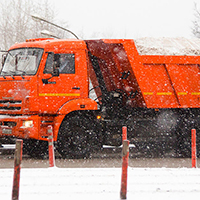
<point x="102" y="183"/>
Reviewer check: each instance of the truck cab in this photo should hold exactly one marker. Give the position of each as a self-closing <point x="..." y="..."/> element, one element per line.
<point x="42" y="80"/>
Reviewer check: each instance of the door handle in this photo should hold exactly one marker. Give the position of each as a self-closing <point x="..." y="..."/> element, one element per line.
<point x="46" y="81"/>
<point x="76" y="88"/>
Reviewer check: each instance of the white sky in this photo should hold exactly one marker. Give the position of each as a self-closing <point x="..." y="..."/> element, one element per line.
<point x="127" y="18"/>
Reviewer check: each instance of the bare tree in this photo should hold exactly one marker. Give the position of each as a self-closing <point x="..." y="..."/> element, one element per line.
<point x="196" y="22"/>
<point x="16" y="24"/>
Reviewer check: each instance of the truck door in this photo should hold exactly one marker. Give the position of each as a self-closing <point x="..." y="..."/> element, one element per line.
<point x="55" y="89"/>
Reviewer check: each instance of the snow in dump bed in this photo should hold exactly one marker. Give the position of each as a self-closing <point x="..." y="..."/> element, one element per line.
<point x="168" y="46"/>
<point x="102" y="183"/>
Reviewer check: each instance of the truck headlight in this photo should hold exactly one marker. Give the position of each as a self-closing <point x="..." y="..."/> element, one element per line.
<point x="28" y="123"/>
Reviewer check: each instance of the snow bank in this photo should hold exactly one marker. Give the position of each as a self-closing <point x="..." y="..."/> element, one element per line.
<point x="168" y="46"/>
<point x="102" y="183"/>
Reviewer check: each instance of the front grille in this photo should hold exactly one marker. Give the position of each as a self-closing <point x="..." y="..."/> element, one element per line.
<point x="10" y="105"/>
<point x="8" y="123"/>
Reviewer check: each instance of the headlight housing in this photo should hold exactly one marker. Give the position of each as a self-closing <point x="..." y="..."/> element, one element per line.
<point x="27" y="123"/>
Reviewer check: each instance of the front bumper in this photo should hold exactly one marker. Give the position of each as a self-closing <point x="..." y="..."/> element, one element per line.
<point x="17" y="126"/>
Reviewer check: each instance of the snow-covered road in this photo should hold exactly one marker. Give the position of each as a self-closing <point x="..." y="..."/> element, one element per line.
<point x="102" y="183"/>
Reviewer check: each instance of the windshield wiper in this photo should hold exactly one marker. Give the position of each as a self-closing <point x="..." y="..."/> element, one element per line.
<point x="14" y="73"/>
<point x="4" y="77"/>
<point x="8" y="74"/>
<point x="22" y="74"/>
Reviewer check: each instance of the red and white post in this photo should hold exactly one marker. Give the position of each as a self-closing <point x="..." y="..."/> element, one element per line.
<point x="125" y="157"/>
<point x="17" y="169"/>
<point x="124" y="133"/>
<point x="194" y="148"/>
<point x="51" y="146"/>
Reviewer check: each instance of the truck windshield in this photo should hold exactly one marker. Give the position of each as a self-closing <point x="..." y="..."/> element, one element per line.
<point x="23" y="61"/>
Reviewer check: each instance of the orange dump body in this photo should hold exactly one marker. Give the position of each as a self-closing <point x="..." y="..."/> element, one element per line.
<point x="151" y="81"/>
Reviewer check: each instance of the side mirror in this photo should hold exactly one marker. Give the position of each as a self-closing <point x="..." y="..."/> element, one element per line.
<point x="55" y="72"/>
<point x="55" y="63"/>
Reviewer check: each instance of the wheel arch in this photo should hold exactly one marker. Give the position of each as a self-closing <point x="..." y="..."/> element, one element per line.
<point x="72" y="108"/>
<point x="77" y="104"/>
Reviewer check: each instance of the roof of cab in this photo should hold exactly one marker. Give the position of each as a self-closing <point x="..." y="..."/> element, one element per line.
<point x="50" y="43"/>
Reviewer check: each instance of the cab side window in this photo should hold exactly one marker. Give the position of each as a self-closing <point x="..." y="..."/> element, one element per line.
<point x="67" y="64"/>
<point x="64" y="62"/>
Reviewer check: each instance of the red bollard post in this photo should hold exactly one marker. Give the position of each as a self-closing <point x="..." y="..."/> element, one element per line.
<point x="194" y="149"/>
<point x="51" y="147"/>
<point x="17" y="168"/>
<point x="124" y="133"/>
<point x="125" y="154"/>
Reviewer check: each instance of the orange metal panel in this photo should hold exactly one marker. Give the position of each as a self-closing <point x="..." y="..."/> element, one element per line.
<point x="156" y="87"/>
<point x="170" y="59"/>
<point x="165" y="80"/>
<point x="162" y="81"/>
<point x="186" y="81"/>
<point x="51" y="44"/>
<point x="152" y="79"/>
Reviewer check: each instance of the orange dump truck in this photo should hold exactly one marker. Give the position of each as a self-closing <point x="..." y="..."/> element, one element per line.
<point x="47" y="82"/>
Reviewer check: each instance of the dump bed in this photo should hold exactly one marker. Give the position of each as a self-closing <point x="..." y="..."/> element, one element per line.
<point x="152" y="81"/>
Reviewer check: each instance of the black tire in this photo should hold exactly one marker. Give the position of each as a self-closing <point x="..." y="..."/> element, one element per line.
<point x="76" y="138"/>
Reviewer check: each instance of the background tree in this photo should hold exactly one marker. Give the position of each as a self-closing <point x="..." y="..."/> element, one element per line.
<point x="196" y="22"/>
<point x="17" y="25"/>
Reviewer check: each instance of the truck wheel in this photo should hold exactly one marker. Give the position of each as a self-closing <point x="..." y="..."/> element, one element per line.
<point x="75" y="137"/>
